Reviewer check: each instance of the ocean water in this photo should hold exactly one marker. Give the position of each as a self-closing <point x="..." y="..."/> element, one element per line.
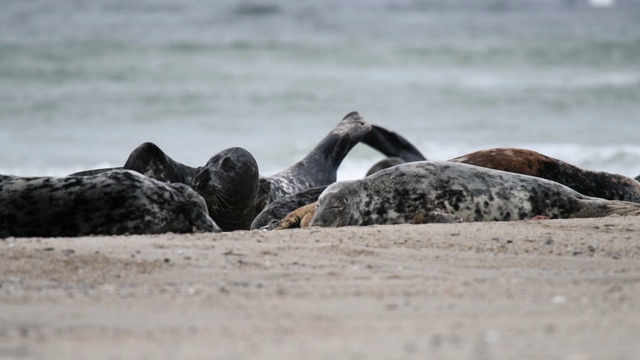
<point x="82" y="83"/>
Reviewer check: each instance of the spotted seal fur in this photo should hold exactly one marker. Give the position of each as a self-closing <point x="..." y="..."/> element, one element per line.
<point x="113" y="203"/>
<point x="591" y="183"/>
<point x="419" y="191"/>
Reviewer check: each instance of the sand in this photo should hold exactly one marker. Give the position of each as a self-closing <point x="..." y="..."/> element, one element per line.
<point x="546" y="289"/>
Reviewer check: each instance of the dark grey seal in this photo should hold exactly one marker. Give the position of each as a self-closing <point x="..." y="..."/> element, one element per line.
<point x="230" y="183"/>
<point x="421" y="192"/>
<point x="113" y="203"/>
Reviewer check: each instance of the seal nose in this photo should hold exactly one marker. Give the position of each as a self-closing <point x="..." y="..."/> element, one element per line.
<point x="201" y="179"/>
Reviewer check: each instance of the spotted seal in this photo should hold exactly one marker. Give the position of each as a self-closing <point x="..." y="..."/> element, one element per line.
<point x="113" y="203"/>
<point x="591" y="183"/>
<point x="447" y="191"/>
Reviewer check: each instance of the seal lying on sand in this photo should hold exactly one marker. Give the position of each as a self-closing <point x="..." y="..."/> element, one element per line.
<point x="416" y="192"/>
<point x="113" y="203"/>
<point x="591" y="183"/>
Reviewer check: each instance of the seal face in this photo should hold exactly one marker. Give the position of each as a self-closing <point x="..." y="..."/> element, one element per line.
<point x="591" y="183"/>
<point x="420" y="191"/>
<point x="230" y="182"/>
<point x="113" y="203"/>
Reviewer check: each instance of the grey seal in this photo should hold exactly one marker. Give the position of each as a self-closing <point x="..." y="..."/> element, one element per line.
<point x="426" y="191"/>
<point x="112" y="203"/>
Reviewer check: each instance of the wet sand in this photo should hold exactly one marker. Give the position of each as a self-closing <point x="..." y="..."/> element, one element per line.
<point x="548" y="289"/>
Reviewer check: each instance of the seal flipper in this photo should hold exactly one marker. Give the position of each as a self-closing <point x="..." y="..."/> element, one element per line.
<point x="278" y="209"/>
<point x="320" y="166"/>
<point x="392" y="144"/>
<point x="298" y="218"/>
<point x="149" y="160"/>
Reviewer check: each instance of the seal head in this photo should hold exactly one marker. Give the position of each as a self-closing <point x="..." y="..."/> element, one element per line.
<point x="229" y="183"/>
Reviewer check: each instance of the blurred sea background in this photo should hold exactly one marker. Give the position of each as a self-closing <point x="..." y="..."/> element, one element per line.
<point x="82" y="83"/>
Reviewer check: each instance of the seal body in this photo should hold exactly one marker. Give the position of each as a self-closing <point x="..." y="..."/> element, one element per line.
<point x="591" y="183"/>
<point x="113" y="203"/>
<point x="420" y="191"/>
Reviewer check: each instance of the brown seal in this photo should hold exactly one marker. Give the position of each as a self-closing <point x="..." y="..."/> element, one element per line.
<point x="527" y="162"/>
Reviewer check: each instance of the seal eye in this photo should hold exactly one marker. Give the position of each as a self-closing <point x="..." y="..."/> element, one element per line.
<point x="228" y="165"/>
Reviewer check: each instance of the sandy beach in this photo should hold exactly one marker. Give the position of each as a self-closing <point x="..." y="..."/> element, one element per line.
<point x="546" y="289"/>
